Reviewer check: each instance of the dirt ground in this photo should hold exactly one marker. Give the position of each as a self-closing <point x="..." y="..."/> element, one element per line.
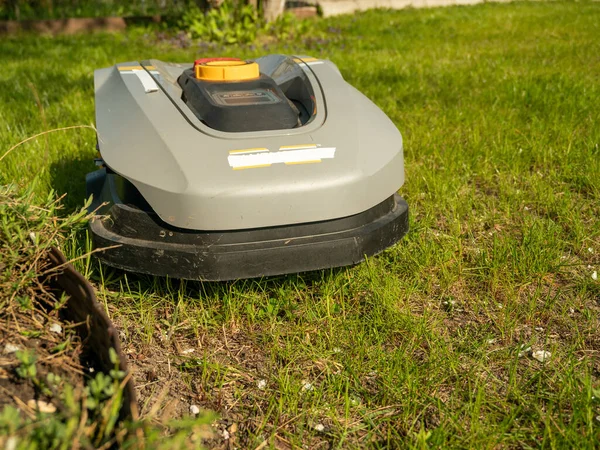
<point x="169" y="380"/>
<point x="30" y="325"/>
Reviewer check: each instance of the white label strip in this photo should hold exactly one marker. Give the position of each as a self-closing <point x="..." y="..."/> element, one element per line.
<point x="261" y="159"/>
<point x="147" y="81"/>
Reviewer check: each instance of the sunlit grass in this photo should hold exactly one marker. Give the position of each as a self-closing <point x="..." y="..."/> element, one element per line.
<point x="499" y="108"/>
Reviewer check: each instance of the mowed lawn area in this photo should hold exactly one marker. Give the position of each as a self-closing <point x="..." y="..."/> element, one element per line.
<point x="430" y="344"/>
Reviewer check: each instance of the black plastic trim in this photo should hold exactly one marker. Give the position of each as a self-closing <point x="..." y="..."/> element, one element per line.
<point x="148" y="245"/>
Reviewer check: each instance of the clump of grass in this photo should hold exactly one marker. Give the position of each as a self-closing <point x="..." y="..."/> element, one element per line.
<point x="48" y="399"/>
<point x="27" y="232"/>
<point x="45" y="398"/>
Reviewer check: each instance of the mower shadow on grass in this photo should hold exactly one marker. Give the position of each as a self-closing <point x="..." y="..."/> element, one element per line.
<point x="138" y="284"/>
<point x="67" y="176"/>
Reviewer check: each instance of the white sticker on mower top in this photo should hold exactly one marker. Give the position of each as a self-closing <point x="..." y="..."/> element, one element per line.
<point x="252" y="158"/>
<point x="146" y="79"/>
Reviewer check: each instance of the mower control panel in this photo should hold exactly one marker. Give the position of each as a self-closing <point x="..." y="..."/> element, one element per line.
<point x="233" y="95"/>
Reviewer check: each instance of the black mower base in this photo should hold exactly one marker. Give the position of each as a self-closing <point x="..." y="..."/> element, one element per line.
<point x="145" y="244"/>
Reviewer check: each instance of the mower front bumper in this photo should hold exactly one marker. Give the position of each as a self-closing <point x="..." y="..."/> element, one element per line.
<point x="142" y="243"/>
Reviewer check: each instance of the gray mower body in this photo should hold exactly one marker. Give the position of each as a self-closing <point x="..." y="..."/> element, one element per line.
<point x="190" y="184"/>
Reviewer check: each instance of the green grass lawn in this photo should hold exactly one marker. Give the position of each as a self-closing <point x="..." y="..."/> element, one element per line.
<point x="428" y="344"/>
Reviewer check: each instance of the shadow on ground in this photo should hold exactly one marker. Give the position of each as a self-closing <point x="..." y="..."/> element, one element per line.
<point x="67" y="176"/>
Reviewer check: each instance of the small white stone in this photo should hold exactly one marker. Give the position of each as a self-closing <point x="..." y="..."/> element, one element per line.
<point x="56" y="328"/>
<point x="595" y="275"/>
<point x="41" y="406"/>
<point x="541" y="355"/>
<point x="225" y="434"/>
<point x="11" y="443"/>
<point x="11" y="348"/>
<point x="319" y="427"/>
<point x="194" y="410"/>
<point x="187" y="351"/>
<point x="261" y="384"/>
<point x="526" y="208"/>
<point x="571" y="310"/>
<point x="590" y="249"/>
<point x="306" y="386"/>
